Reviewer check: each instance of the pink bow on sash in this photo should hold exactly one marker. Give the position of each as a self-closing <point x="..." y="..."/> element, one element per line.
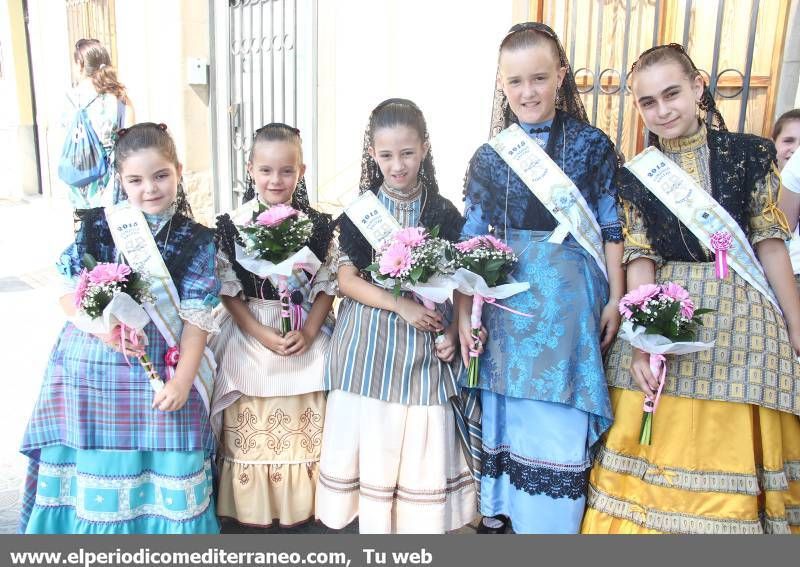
<point x="721" y="242"/>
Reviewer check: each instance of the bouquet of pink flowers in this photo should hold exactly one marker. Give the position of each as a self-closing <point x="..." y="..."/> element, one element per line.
<point x="415" y="259"/>
<point x="660" y="319"/>
<point x="484" y="266"/>
<point x="108" y="299"/>
<point x="275" y="241"/>
<point x="276" y="232"/>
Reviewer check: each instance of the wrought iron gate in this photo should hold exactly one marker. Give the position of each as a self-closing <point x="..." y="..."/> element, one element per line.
<point x="592" y="30"/>
<point x="263" y="71"/>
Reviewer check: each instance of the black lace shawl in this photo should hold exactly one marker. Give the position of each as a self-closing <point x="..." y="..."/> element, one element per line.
<point x="736" y="162"/>
<point x="438" y="211"/>
<point x="252" y="285"/>
<point x="177" y="242"/>
<point x="582" y="151"/>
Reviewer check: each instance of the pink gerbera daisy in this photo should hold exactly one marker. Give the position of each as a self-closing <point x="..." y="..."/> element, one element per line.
<point x="396" y="260"/>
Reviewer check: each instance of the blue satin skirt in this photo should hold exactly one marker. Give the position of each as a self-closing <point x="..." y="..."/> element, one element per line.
<point x="535" y="463"/>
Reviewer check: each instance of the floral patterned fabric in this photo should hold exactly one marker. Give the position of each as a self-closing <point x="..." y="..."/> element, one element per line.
<point x="495" y="196"/>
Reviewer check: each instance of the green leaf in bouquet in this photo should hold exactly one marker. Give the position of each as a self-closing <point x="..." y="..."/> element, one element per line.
<point x="88" y="261"/>
<point x="434" y="232"/>
<point x="137" y="283"/>
<point x="494" y="265"/>
<point x="416" y="274"/>
<point x="491" y="278"/>
<point x="449" y="253"/>
<point x="374" y="267"/>
<point x="697" y="319"/>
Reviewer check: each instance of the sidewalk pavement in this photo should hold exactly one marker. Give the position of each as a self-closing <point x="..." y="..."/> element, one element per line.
<point x="33" y="232"/>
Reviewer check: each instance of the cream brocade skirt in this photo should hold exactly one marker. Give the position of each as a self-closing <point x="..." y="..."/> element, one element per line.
<point x="269" y="459"/>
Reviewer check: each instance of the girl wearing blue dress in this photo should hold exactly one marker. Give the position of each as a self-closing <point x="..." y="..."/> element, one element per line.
<point x="543" y="391"/>
<point x="107" y="454"/>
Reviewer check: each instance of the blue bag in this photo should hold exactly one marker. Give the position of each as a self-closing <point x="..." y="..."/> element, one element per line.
<point x="83" y="157"/>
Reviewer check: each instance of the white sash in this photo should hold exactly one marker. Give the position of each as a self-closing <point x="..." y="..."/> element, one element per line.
<point x="134" y="240"/>
<point x="700" y="212"/>
<point x="372" y="219"/>
<point x="553" y="188"/>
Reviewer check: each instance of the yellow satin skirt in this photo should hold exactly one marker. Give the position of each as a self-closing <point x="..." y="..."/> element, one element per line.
<point x="712" y="467"/>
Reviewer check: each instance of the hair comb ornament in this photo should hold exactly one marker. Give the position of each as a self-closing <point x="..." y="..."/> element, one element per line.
<point x="162" y="126"/>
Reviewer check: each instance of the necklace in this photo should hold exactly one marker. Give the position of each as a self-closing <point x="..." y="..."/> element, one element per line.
<point x="405" y="206"/>
<point x="406" y="197"/>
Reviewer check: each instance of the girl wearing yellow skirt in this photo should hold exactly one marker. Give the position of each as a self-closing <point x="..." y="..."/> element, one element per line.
<point x="268" y="406"/>
<point x="725" y="452"/>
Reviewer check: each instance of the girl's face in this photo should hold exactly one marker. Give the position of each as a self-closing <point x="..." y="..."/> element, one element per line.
<point x="275" y="169"/>
<point x="667" y="99"/>
<point x="150" y="180"/>
<point x="787" y="141"/>
<point x="530" y="79"/>
<point x="399" y="152"/>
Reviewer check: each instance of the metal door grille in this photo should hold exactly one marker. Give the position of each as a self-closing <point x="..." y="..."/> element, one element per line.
<point x="263" y="63"/>
<point x="257" y="75"/>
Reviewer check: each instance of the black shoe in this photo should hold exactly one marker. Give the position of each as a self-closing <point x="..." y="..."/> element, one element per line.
<point x="484" y="529"/>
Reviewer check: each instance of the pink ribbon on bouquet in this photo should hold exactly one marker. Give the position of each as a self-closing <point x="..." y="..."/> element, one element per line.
<point x="721" y="242"/>
<point x="658" y="366"/>
<point x="122" y="332"/>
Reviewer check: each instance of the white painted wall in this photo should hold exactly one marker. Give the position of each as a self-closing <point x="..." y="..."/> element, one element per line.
<point x="441" y="55"/>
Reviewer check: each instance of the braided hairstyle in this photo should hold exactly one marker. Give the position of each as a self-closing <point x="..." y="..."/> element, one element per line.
<point x="149" y="135"/>
<point x="437" y="211"/>
<point x="391" y="113"/>
<point x="675" y="53"/>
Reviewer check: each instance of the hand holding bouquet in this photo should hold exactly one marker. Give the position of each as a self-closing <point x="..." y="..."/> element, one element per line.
<point x="415" y="259"/>
<point x="659" y="320"/>
<point x="275" y="245"/>
<point x="108" y="299"/>
<point x="484" y="267"/>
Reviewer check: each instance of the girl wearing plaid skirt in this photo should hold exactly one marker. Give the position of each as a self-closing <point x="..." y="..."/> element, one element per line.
<point x="107" y="454"/>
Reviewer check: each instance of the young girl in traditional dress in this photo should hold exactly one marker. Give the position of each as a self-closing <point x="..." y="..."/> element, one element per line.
<point x="269" y="406"/>
<point x="543" y="392"/>
<point x="391" y="455"/>
<point x="107" y="455"/>
<point x="725" y="447"/>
